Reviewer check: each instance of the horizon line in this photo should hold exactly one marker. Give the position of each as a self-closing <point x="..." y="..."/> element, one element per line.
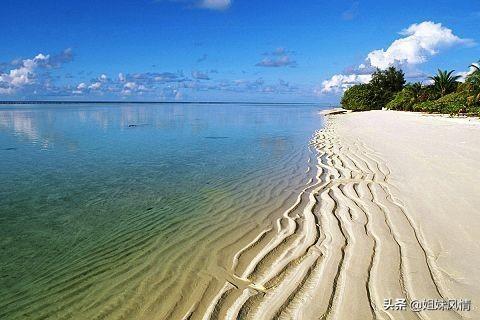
<point x="14" y="102"/>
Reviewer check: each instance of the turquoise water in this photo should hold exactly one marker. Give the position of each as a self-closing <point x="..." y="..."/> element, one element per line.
<point x="111" y="211"/>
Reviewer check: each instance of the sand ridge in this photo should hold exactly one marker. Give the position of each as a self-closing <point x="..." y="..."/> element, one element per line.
<point x="347" y="244"/>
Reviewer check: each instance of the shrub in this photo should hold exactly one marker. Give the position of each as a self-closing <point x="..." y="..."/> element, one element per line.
<point x="460" y="97"/>
<point x="358" y="98"/>
<point x="376" y="94"/>
<point x="425" y="106"/>
<point x="401" y="101"/>
<point x="472" y="86"/>
<point x="429" y="93"/>
<point x="452" y="103"/>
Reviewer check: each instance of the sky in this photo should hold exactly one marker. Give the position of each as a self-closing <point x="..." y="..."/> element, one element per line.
<point x="225" y="50"/>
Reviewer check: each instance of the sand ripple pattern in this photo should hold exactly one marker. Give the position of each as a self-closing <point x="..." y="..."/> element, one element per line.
<point x="344" y="246"/>
<point x="165" y="261"/>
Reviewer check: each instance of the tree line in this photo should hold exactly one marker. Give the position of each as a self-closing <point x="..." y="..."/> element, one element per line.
<point x="445" y="94"/>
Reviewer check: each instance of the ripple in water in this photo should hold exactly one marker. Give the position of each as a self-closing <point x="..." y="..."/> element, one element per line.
<point x="132" y="211"/>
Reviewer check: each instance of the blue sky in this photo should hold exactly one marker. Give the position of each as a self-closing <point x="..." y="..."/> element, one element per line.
<point x="225" y="50"/>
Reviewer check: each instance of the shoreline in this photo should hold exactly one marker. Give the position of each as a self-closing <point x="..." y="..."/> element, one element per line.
<point x="358" y="235"/>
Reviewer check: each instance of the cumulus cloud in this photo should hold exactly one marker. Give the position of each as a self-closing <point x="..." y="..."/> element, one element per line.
<point x="81" y="87"/>
<point x="129" y="84"/>
<point x="133" y="87"/>
<point x="95" y="86"/>
<point x="419" y="42"/>
<point x="339" y="82"/>
<point x="23" y="73"/>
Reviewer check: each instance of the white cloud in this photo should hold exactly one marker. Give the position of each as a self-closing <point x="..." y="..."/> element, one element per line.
<point x="95" y="86"/>
<point x="464" y="74"/>
<point x="121" y="77"/>
<point x="339" y="82"/>
<point x="132" y="87"/>
<point x="23" y="75"/>
<point x="215" y="4"/>
<point x="82" y="86"/>
<point x="103" y="77"/>
<point x="421" y="41"/>
<point x="24" y="72"/>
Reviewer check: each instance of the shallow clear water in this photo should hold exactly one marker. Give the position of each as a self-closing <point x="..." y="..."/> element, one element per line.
<point x="128" y="210"/>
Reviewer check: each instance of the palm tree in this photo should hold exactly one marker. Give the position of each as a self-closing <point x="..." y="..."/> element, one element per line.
<point x="475" y="67"/>
<point x="444" y="82"/>
<point x="473" y="84"/>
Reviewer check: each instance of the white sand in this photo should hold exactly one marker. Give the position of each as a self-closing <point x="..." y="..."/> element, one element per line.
<point x="435" y="167"/>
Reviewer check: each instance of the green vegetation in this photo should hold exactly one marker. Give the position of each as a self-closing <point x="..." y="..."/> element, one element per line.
<point x="472" y="85"/>
<point x="445" y="94"/>
<point x="377" y="93"/>
<point x="358" y="98"/>
<point x="444" y="83"/>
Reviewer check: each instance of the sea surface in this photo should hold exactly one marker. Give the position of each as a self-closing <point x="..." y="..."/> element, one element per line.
<point x="134" y="211"/>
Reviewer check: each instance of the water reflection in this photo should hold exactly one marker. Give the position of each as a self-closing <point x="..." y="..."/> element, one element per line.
<point x="48" y="126"/>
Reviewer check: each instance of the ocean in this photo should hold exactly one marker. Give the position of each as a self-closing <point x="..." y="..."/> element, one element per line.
<point x="136" y="210"/>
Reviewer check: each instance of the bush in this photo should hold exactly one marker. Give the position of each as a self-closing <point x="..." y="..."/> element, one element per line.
<point x="376" y="94"/>
<point x="401" y="101"/>
<point x="452" y="103"/>
<point x="425" y="106"/>
<point x="456" y="97"/>
<point x="358" y="98"/>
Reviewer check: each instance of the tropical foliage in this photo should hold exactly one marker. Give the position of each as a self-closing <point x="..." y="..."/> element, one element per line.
<point x="358" y="98"/>
<point x="444" y="82"/>
<point x="445" y="94"/>
<point x="473" y="84"/>
<point x="411" y="94"/>
<point x="377" y="93"/>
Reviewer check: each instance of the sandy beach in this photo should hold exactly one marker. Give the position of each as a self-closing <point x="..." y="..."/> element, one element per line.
<point x="392" y="214"/>
<point x="433" y="164"/>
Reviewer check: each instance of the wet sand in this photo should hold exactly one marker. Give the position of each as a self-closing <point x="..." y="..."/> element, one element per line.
<point x="393" y="213"/>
